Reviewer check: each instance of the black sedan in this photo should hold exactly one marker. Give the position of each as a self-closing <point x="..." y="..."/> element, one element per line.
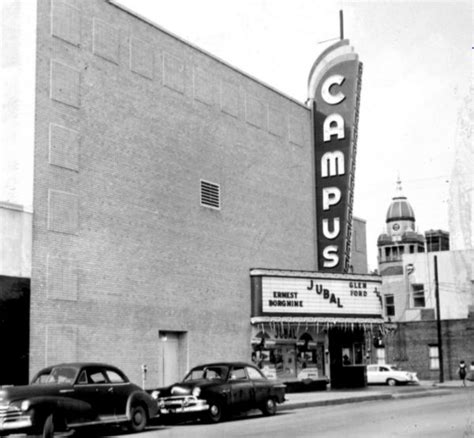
<point x="73" y="395"/>
<point x="213" y="390"/>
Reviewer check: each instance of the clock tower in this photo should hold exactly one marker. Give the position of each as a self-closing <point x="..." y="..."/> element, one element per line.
<point x="400" y="236"/>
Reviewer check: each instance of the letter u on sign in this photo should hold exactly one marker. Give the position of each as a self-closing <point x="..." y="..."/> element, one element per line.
<point x="336" y="228"/>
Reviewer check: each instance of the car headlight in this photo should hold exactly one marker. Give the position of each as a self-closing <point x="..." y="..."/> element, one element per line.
<point x="155" y="395"/>
<point x="196" y="392"/>
<point x="25" y="405"/>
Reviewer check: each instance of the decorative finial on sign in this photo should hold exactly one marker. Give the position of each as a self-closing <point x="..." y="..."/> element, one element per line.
<point x="341" y="24"/>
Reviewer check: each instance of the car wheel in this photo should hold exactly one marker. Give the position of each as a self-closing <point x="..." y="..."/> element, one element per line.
<point x="269" y="407"/>
<point x="48" y="427"/>
<point x="215" y="412"/>
<point x="391" y="382"/>
<point x="138" y="419"/>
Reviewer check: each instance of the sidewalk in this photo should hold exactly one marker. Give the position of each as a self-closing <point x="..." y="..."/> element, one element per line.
<point x="374" y="392"/>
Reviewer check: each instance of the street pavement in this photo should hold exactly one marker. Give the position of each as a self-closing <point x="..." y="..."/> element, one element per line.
<point x="425" y="388"/>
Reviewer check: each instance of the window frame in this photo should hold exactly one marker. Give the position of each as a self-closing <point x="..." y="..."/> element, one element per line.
<point x="433" y="355"/>
<point x="418" y="295"/>
<point x="389" y="305"/>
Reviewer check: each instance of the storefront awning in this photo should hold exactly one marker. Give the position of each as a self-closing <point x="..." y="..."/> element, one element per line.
<point x="320" y="321"/>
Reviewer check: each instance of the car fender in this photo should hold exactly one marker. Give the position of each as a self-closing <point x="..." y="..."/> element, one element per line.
<point x="41" y="406"/>
<point x="144" y="399"/>
<point x="220" y="393"/>
<point x="278" y="392"/>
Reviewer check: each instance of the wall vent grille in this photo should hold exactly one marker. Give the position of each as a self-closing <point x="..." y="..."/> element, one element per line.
<point x="210" y="195"/>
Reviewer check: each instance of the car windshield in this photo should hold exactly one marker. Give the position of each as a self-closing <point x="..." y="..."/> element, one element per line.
<point x="394" y="368"/>
<point x="207" y="373"/>
<point x="56" y="375"/>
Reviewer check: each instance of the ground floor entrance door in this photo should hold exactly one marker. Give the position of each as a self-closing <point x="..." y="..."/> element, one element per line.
<point x="170" y="345"/>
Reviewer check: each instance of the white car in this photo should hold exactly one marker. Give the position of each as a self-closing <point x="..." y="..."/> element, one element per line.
<point x="389" y="374"/>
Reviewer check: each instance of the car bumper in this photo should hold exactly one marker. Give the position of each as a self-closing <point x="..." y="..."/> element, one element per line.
<point x="19" y="423"/>
<point x="182" y="405"/>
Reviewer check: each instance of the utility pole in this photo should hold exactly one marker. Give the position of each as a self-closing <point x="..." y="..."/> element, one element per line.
<point x="438" y="322"/>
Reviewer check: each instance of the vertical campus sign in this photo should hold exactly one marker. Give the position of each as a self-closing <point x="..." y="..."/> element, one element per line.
<point x="334" y="94"/>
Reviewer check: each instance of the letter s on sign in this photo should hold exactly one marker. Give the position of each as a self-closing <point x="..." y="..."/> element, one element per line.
<point x="331" y="259"/>
<point x="332" y="99"/>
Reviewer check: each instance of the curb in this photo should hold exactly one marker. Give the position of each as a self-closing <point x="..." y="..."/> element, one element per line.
<point x="340" y="401"/>
<point x="336" y="401"/>
<point x="418" y="394"/>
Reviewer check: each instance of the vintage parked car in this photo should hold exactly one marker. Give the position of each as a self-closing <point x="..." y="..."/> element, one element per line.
<point x="389" y="374"/>
<point x="72" y="395"/>
<point x="212" y="391"/>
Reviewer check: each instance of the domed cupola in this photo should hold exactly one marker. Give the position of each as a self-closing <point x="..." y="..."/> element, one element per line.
<point x="400" y="216"/>
<point x="400" y="208"/>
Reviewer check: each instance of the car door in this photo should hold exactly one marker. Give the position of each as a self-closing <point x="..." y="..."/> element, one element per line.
<point x="96" y="390"/>
<point x="260" y="384"/>
<point x="383" y="374"/>
<point x="242" y="393"/>
<point x="372" y="373"/>
<point x="119" y="391"/>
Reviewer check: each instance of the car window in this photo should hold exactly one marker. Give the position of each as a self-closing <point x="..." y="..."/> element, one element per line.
<point x="96" y="376"/>
<point x="384" y="369"/>
<point x="208" y="373"/>
<point x="57" y="375"/>
<point x="114" y="377"/>
<point x="238" y="374"/>
<point x="254" y="374"/>
<point x="371" y="368"/>
<point x="82" y="380"/>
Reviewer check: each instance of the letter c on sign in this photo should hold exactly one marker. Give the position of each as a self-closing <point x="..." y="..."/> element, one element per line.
<point x="330" y="98"/>
<point x="331" y="259"/>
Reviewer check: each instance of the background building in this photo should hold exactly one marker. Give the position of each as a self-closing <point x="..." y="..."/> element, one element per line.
<point x="407" y="265"/>
<point x="144" y="179"/>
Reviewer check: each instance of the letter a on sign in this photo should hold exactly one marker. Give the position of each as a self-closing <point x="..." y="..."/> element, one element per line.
<point x="333" y="125"/>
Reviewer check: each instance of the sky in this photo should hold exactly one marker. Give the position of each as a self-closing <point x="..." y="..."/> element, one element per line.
<point x="417" y="58"/>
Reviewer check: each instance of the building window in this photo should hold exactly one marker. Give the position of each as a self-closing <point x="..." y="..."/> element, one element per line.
<point x="353" y="354"/>
<point x="389" y="305"/>
<point x="210" y="195"/>
<point x="418" y="295"/>
<point x="434" y="357"/>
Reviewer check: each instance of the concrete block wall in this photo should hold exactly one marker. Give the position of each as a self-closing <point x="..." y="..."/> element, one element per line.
<point x="129" y="119"/>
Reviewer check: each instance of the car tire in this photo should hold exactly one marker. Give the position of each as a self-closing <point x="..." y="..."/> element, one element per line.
<point x="391" y="382"/>
<point x="215" y="412"/>
<point x="138" y="419"/>
<point x="269" y="407"/>
<point x="48" y="427"/>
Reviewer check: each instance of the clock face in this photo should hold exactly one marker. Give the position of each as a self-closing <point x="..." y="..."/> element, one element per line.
<point x="395" y="227"/>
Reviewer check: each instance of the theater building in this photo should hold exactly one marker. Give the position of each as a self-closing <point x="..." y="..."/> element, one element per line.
<point x="150" y="191"/>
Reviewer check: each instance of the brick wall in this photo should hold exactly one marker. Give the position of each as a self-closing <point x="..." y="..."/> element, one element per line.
<point x="129" y="119"/>
<point x="408" y="346"/>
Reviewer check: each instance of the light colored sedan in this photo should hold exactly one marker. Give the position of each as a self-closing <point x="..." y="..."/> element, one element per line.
<point x="389" y="374"/>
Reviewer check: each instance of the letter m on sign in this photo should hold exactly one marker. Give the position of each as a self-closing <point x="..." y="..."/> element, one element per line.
<point x="332" y="164"/>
